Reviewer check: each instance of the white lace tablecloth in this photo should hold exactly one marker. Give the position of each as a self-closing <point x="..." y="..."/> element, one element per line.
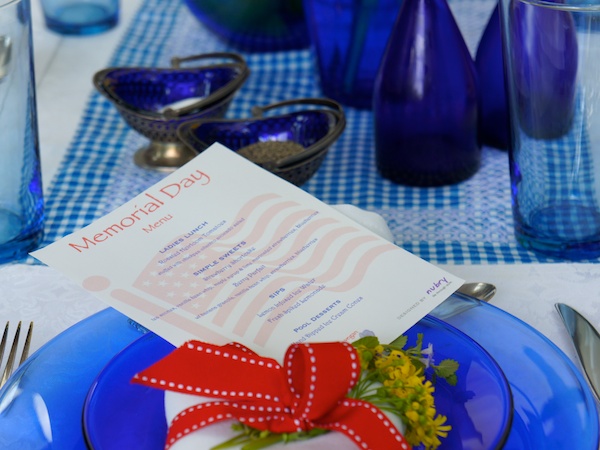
<point x="528" y="291"/>
<point x="54" y="303"/>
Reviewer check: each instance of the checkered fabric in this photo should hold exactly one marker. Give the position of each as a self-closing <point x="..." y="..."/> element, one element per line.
<point x="566" y="177"/>
<point x="468" y="223"/>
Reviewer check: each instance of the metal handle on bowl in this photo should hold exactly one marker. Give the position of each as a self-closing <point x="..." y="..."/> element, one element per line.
<point x="226" y="90"/>
<point x="177" y="61"/>
<point x="99" y="80"/>
<point x="335" y="109"/>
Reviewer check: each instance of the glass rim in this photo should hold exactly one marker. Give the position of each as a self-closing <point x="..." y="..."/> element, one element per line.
<point x="566" y="5"/>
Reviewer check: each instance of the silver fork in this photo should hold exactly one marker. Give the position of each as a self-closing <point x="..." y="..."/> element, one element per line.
<point x="8" y="369"/>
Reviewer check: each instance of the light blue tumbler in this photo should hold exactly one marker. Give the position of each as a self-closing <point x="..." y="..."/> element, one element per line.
<point x="21" y="199"/>
<point x="80" y="17"/>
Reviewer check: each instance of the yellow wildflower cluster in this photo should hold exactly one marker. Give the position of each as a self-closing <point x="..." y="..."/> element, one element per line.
<point x="402" y="379"/>
<point x="394" y="380"/>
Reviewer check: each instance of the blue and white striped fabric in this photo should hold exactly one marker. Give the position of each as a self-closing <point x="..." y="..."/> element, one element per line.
<point x="462" y="224"/>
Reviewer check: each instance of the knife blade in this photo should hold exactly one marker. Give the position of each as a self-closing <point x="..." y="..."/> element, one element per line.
<point x="586" y="341"/>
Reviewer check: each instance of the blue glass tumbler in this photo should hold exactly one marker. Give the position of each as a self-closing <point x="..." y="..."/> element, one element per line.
<point x="489" y="62"/>
<point x="551" y="53"/>
<point x="426" y="100"/>
<point x="544" y="61"/>
<point x="348" y="38"/>
<point x="21" y="199"/>
<point x="80" y="17"/>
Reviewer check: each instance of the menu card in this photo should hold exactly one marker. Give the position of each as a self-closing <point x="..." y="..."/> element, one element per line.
<point x="222" y="250"/>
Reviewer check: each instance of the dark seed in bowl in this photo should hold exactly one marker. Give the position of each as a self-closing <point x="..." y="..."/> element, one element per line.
<point x="269" y="152"/>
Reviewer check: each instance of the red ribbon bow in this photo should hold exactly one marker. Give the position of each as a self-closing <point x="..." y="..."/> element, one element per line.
<point x="308" y="392"/>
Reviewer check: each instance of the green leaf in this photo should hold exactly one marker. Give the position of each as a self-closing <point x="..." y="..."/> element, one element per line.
<point x="367" y="355"/>
<point x="367" y="341"/>
<point x="399" y="342"/>
<point x="446" y="368"/>
<point x="418" y="364"/>
<point x="419" y="345"/>
<point x="452" y="380"/>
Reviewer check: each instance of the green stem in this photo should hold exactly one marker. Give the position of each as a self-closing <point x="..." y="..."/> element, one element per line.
<point x="263" y="442"/>
<point x="234" y="441"/>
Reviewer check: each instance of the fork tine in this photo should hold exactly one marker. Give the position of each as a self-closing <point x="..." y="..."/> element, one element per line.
<point x="11" y="357"/>
<point x="3" y="342"/>
<point x="25" y="353"/>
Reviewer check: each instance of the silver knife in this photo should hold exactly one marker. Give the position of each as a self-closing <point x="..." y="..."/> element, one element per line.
<point x="586" y="340"/>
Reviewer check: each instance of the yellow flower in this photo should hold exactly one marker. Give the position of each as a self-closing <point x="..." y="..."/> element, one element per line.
<point x="429" y="436"/>
<point x="409" y="392"/>
<point x="394" y="380"/>
<point x="368" y="355"/>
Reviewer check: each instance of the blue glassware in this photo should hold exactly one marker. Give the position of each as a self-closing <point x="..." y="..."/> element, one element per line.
<point x="254" y="25"/>
<point x="494" y="123"/>
<point x="80" y="17"/>
<point x="349" y="38"/>
<point x="155" y="101"/>
<point x="552" y="80"/>
<point x="315" y="130"/>
<point x="547" y="387"/>
<point x="544" y="68"/>
<point x="118" y="414"/>
<point x="21" y="196"/>
<point x="426" y="100"/>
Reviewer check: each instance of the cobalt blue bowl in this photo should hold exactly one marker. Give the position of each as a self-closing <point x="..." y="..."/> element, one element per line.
<point x="313" y="129"/>
<point x="155" y="101"/>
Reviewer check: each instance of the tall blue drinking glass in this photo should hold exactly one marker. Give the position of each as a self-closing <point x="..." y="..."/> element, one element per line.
<point x="552" y="73"/>
<point x="426" y="100"/>
<point x="348" y="38"/>
<point x="21" y="199"/>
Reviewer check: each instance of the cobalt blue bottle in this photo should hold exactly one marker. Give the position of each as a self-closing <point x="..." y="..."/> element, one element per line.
<point x="489" y="62"/>
<point x="426" y="100"/>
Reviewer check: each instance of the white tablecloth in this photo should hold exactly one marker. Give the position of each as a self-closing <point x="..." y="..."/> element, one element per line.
<point x="64" y="69"/>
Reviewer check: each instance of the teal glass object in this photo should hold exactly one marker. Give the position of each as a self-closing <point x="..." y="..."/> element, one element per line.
<point x="489" y="61"/>
<point x="21" y="196"/>
<point x="426" y="100"/>
<point x="80" y="17"/>
<point x="348" y="40"/>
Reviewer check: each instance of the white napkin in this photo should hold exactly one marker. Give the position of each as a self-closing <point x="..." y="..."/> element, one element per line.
<point x="215" y="434"/>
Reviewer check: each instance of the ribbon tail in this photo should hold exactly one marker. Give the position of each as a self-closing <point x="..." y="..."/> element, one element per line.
<point x="224" y="372"/>
<point x="366" y="425"/>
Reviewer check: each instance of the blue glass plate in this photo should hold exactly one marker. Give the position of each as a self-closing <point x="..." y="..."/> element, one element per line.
<point x="119" y="415"/>
<point x="41" y="405"/>
<point x="554" y="407"/>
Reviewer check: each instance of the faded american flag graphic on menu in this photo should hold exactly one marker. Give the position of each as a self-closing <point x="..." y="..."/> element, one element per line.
<point x="222" y="250"/>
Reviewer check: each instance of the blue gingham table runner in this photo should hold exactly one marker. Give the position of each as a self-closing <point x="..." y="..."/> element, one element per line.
<point x="468" y="223"/>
